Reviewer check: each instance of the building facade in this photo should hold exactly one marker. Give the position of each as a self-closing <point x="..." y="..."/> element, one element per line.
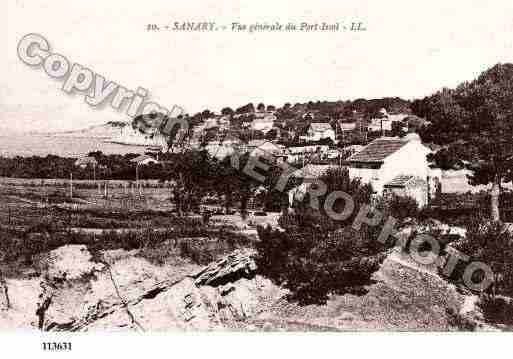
<point x="386" y="158"/>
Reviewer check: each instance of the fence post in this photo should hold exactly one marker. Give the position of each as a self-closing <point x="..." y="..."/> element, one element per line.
<point x="71" y="185"/>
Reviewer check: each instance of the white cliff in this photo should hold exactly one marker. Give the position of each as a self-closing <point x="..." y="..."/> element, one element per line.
<point x="130" y="136"/>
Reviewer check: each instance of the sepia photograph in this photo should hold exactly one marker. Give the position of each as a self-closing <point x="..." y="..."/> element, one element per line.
<point x="311" y="174"/>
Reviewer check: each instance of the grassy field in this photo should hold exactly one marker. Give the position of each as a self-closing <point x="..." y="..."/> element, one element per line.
<point x="39" y="218"/>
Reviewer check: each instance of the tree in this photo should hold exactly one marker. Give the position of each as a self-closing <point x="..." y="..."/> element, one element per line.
<point x="227" y="111"/>
<point x="271" y="134"/>
<point x="490" y="243"/>
<point x="398" y="207"/>
<point x="316" y="255"/>
<point x="194" y="173"/>
<point x="249" y="108"/>
<point x="257" y="135"/>
<point x="474" y="123"/>
<point x="336" y="179"/>
<point x="261" y="107"/>
<point x="233" y="183"/>
<point x="314" y="264"/>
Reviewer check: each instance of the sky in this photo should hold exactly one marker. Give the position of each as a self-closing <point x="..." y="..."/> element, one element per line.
<point x="411" y="49"/>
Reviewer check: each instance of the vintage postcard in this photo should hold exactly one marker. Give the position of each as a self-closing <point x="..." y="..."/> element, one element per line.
<point x="247" y="167"/>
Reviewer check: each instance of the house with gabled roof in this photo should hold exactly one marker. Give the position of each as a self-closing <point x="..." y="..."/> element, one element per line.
<point x="386" y="158"/>
<point x="263" y="122"/>
<point x="408" y="186"/>
<point x="318" y="131"/>
<point x="308" y="174"/>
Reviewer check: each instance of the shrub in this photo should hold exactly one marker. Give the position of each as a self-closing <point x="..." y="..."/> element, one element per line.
<point x="313" y="264"/>
<point x="492" y="244"/>
<point x="497" y="310"/>
<point x="431" y="229"/>
<point x="399" y="207"/>
<point x="15" y="244"/>
<point x="318" y="255"/>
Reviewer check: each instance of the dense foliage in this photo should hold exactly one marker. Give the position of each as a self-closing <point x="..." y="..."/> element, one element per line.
<point x="313" y="264"/>
<point x="399" y="207"/>
<point x="314" y="255"/>
<point x="492" y="244"/>
<point x="197" y="242"/>
<point x="475" y="124"/>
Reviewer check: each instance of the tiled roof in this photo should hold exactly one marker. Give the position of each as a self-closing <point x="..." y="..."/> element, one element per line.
<point x="377" y="150"/>
<point x="399" y="181"/>
<point x="317" y="126"/>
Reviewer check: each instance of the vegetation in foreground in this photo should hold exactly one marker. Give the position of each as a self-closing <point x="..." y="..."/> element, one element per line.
<point x="316" y="256"/>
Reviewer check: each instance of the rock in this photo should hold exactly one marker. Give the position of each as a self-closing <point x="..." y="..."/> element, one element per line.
<point x="126" y="292"/>
<point x="239" y="264"/>
<point x="210" y="299"/>
<point x="218" y="297"/>
<point x="92" y="291"/>
<point x="69" y="262"/>
<point x="23" y="298"/>
<point x="179" y="306"/>
<point x="241" y="297"/>
<point x="67" y="273"/>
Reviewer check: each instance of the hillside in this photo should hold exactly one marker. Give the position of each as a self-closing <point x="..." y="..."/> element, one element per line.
<point x="105" y="131"/>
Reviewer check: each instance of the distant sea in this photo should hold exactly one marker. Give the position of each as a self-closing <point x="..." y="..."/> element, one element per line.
<point x="41" y="145"/>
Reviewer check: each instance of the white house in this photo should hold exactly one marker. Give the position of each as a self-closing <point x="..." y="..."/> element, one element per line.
<point x="319" y="131"/>
<point x="298" y="153"/>
<point x="219" y="150"/>
<point x="143" y="160"/>
<point x="263" y="122"/>
<point x="384" y="123"/>
<point x="84" y="162"/>
<point x="347" y="126"/>
<point x="386" y="158"/>
<point x="380" y="124"/>
<point x="308" y="174"/>
<point x="263" y="148"/>
<point x="408" y="186"/>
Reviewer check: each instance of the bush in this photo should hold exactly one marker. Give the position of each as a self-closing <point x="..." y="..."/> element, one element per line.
<point x="399" y="207"/>
<point x="492" y="244"/>
<point x="497" y="310"/>
<point x="16" y="244"/>
<point x="318" y="255"/>
<point x="313" y="264"/>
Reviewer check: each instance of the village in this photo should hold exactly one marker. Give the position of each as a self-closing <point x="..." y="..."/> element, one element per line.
<point x="384" y="151"/>
<point x="226" y="220"/>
